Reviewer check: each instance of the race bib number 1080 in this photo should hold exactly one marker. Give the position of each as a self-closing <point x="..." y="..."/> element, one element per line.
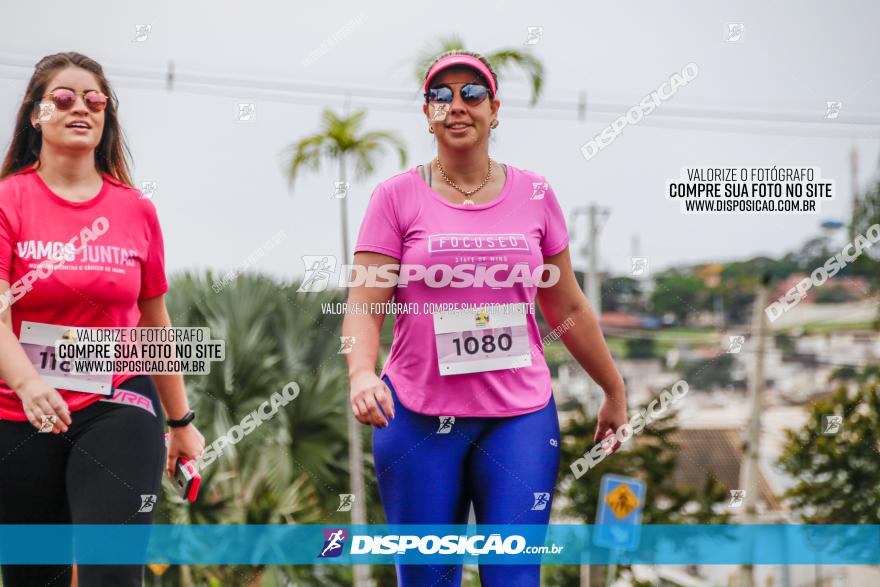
<point x="484" y="339"/>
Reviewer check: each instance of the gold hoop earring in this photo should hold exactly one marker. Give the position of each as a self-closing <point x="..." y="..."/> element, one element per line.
<point x="430" y="129"/>
<point x="494" y="123"/>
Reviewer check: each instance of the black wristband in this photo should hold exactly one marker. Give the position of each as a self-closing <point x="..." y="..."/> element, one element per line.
<point x="189" y="417"/>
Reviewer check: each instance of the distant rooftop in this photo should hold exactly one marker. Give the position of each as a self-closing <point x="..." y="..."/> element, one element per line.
<point x="717" y="453"/>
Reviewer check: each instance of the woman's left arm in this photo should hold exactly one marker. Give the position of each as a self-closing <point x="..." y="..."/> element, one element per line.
<point x="186" y="441"/>
<point x="582" y="336"/>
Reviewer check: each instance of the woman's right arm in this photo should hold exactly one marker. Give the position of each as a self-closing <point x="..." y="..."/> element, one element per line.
<point x="368" y="392"/>
<point x="37" y="397"/>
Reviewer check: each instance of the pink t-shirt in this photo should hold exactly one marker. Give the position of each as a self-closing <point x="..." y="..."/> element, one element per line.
<point x="407" y="220"/>
<point x="97" y="287"/>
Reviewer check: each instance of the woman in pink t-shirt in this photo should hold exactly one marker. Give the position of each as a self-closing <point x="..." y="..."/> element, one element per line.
<point x="79" y="247"/>
<point x="462" y="409"/>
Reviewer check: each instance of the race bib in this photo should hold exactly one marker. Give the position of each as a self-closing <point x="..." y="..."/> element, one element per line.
<point x="38" y="341"/>
<point x="489" y="338"/>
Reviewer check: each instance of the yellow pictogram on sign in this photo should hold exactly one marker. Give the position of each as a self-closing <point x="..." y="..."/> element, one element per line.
<point x="622" y="501"/>
<point x="158" y="568"/>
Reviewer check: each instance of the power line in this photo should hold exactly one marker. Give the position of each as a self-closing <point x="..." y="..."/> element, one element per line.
<point x="670" y="116"/>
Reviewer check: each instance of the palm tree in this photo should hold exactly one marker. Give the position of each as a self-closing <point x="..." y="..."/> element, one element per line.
<point x="502" y="60"/>
<point x="289" y="468"/>
<point x="340" y="140"/>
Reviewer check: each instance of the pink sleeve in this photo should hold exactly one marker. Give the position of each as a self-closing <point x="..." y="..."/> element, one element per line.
<point x="380" y="231"/>
<point x="153" y="282"/>
<point x="8" y="223"/>
<point x="555" y="237"/>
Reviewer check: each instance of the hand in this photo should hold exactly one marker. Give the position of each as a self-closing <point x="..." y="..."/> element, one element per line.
<point x="368" y="392"/>
<point x="185" y="442"/>
<point x="40" y="400"/>
<point x="611" y="416"/>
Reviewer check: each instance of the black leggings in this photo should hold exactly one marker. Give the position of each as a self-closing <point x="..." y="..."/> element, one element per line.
<point x="95" y="473"/>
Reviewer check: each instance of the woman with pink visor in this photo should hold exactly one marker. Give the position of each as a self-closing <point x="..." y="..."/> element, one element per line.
<point x="462" y="410"/>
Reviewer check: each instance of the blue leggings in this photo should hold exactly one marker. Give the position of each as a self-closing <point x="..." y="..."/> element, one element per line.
<point x="506" y="466"/>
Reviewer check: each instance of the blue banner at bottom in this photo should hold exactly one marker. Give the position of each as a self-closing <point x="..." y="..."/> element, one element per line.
<point x="411" y="544"/>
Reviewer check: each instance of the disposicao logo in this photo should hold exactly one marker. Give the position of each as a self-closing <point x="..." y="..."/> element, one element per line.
<point x="334" y="542"/>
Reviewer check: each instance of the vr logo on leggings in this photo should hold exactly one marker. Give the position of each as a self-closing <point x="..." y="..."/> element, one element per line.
<point x="130" y="398"/>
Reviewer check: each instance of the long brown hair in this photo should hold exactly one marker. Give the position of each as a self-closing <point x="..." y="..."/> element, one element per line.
<point x="111" y="155"/>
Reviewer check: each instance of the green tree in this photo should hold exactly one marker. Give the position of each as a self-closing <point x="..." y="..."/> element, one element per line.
<point x="834" y="295"/>
<point x="503" y="61"/>
<point x="652" y="456"/>
<point x="679" y="293"/>
<point x="621" y="294"/>
<point x="838" y="475"/>
<point x="866" y="213"/>
<point x="812" y="253"/>
<point x="289" y="469"/>
<point x="749" y="272"/>
<point x="739" y="281"/>
<point x="709" y="373"/>
<point x="341" y="141"/>
<point x="641" y="348"/>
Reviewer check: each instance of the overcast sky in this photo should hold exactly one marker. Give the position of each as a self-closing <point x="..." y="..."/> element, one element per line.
<point x="222" y="190"/>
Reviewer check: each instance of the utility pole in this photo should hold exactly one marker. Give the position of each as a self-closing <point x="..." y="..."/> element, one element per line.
<point x="169" y="77"/>
<point x="592" y="286"/>
<point x="593" y="291"/>
<point x="854" y="178"/>
<point x="592" y="283"/>
<point x="355" y="451"/>
<point x="750" y="472"/>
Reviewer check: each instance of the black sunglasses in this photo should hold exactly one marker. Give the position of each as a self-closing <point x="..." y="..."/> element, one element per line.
<point x="472" y="93"/>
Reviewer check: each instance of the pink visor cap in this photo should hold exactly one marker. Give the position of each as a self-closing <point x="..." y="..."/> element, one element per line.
<point x="461" y="60"/>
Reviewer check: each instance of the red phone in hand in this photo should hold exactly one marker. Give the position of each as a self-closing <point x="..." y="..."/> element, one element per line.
<point x="186" y="477"/>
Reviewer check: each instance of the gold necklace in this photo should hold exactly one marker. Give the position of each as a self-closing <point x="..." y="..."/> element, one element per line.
<point x="467" y="193"/>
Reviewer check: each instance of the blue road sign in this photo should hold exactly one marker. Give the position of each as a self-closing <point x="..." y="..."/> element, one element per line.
<point x="619" y="521"/>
